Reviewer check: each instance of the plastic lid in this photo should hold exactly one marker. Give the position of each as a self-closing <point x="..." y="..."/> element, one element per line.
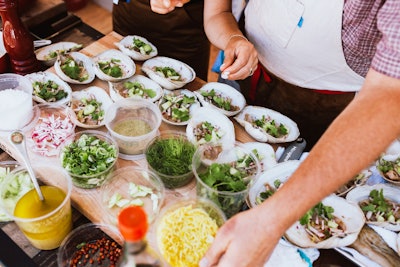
<point x="132" y="223"/>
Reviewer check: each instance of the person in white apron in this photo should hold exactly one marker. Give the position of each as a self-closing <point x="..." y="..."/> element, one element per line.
<point x="311" y="52"/>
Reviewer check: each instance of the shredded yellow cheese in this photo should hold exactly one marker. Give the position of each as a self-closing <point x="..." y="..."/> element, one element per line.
<point x="184" y="235"/>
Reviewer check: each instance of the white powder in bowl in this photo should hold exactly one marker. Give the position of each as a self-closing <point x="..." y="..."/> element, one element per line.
<point x="15" y="109"/>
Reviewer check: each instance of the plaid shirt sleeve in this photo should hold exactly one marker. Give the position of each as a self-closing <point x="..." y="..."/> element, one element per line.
<point x="387" y="56"/>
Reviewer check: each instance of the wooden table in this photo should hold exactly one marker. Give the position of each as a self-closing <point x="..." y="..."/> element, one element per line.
<point x="89" y="201"/>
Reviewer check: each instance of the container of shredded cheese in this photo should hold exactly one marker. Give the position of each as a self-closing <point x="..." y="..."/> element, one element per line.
<point x="186" y="229"/>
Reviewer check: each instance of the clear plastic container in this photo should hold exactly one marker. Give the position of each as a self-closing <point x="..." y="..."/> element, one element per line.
<point x="133" y="123"/>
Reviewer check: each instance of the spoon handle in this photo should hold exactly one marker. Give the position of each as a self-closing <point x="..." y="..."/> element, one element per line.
<point x="17" y="139"/>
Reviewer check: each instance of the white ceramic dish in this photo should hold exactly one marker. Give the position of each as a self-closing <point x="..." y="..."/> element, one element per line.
<point x="85" y="64"/>
<point x="173" y="100"/>
<point x="231" y="98"/>
<point x="223" y="132"/>
<point x="41" y="80"/>
<point x="127" y="46"/>
<point x="80" y="106"/>
<point x="112" y="58"/>
<point x="250" y="114"/>
<point x="138" y="86"/>
<point x="48" y="54"/>
<point x="184" y="73"/>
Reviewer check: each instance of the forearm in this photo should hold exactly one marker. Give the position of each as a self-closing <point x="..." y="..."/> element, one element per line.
<point x="354" y="140"/>
<point x="219" y="22"/>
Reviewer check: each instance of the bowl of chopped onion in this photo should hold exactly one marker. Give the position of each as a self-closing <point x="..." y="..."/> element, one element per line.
<point x="186" y="229"/>
<point x="133" y="185"/>
<point x="54" y="125"/>
<point x="89" y="157"/>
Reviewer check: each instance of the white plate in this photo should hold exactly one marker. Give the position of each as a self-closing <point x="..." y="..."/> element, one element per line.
<point x="83" y="61"/>
<point x="48" y="54"/>
<point x="126" y="46"/>
<point x="124" y="62"/>
<point x="44" y="77"/>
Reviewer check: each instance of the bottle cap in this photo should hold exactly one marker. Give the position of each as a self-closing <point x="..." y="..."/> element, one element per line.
<point x="132" y="223"/>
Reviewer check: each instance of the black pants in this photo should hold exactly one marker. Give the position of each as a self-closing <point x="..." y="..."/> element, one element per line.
<point x="178" y="34"/>
<point x="312" y="111"/>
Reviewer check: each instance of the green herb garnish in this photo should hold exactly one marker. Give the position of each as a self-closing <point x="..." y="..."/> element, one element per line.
<point x="141" y="47"/>
<point x="73" y="69"/>
<point x="177" y="108"/>
<point x="111" y="67"/>
<point x="171" y="156"/>
<point x="49" y="91"/>
<point x="168" y="72"/>
<point x="219" y="101"/>
<point x="271" y="127"/>
<point x="131" y="89"/>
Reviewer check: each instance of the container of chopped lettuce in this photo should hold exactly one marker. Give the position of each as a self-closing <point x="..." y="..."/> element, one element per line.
<point x="15" y="190"/>
<point x="89" y="157"/>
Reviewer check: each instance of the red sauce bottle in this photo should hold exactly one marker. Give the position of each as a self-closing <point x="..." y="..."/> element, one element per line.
<point x="17" y="40"/>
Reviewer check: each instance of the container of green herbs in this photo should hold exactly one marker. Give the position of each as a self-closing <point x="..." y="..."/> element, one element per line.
<point x="170" y="155"/>
<point x="226" y="178"/>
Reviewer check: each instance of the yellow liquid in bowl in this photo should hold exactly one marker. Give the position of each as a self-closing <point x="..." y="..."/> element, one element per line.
<point x="46" y="233"/>
<point x="132" y="127"/>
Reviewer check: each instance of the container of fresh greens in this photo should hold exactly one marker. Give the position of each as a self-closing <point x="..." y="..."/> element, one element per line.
<point x="169" y="155"/>
<point x="89" y="157"/>
<point x="225" y="178"/>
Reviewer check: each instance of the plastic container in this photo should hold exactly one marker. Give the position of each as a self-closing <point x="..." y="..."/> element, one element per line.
<point x="133" y="185"/>
<point x="228" y="196"/>
<point x="16" y="106"/>
<point x="106" y="237"/>
<point x="176" y="152"/>
<point x="185" y="230"/>
<point x="54" y="125"/>
<point x="44" y="225"/>
<point x="133" y="123"/>
<point x="89" y="170"/>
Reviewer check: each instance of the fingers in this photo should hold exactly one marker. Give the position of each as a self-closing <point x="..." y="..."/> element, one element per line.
<point x="166" y="6"/>
<point x="240" y="60"/>
<point x="217" y="248"/>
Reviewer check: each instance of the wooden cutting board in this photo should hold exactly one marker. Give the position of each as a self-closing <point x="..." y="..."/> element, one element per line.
<point x="89" y="201"/>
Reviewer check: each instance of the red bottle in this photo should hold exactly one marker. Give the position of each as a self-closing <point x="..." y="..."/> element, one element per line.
<point x="17" y="40"/>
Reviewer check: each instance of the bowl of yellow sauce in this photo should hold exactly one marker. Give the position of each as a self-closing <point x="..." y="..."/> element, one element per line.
<point x="44" y="223"/>
<point x="133" y="123"/>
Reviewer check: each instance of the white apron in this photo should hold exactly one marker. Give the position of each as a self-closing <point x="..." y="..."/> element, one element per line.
<point x="300" y="42"/>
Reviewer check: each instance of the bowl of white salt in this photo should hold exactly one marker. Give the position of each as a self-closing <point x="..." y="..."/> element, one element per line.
<point x="16" y="107"/>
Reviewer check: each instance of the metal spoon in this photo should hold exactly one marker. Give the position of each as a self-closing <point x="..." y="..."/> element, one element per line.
<point x="17" y="139"/>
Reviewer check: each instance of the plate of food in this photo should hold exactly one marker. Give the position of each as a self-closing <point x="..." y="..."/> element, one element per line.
<point x="223" y="97"/>
<point x="267" y="125"/>
<point x="168" y="72"/>
<point x="49" y="54"/>
<point x="49" y="88"/>
<point x="380" y="204"/>
<point x="113" y="66"/>
<point x="90" y="105"/>
<point x="333" y="222"/>
<point x="75" y="68"/>
<point x="137" y="86"/>
<point x="208" y="126"/>
<point x="137" y="47"/>
<point x="177" y="106"/>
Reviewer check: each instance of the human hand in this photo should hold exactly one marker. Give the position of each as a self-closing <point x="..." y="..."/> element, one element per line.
<point x="166" y="6"/>
<point x="244" y="240"/>
<point x="240" y="59"/>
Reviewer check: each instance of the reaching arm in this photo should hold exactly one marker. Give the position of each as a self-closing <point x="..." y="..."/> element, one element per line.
<point x="166" y="6"/>
<point x="223" y="31"/>
<point x="354" y="140"/>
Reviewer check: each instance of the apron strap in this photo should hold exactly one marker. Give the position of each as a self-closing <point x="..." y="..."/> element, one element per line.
<point x="255" y="78"/>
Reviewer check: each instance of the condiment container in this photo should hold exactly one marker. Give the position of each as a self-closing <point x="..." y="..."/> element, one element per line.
<point x="225" y="178"/>
<point x="44" y="223"/>
<point x="185" y="230"/>
<point x="16" y="105"/>
<point x="170" y="156"/>
<point x="133" y="123"/>
<point x="91" y="244"/>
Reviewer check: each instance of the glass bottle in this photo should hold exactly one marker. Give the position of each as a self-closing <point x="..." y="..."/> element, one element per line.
<point x="133" y="225"/>
<point x="18" y="42"/>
